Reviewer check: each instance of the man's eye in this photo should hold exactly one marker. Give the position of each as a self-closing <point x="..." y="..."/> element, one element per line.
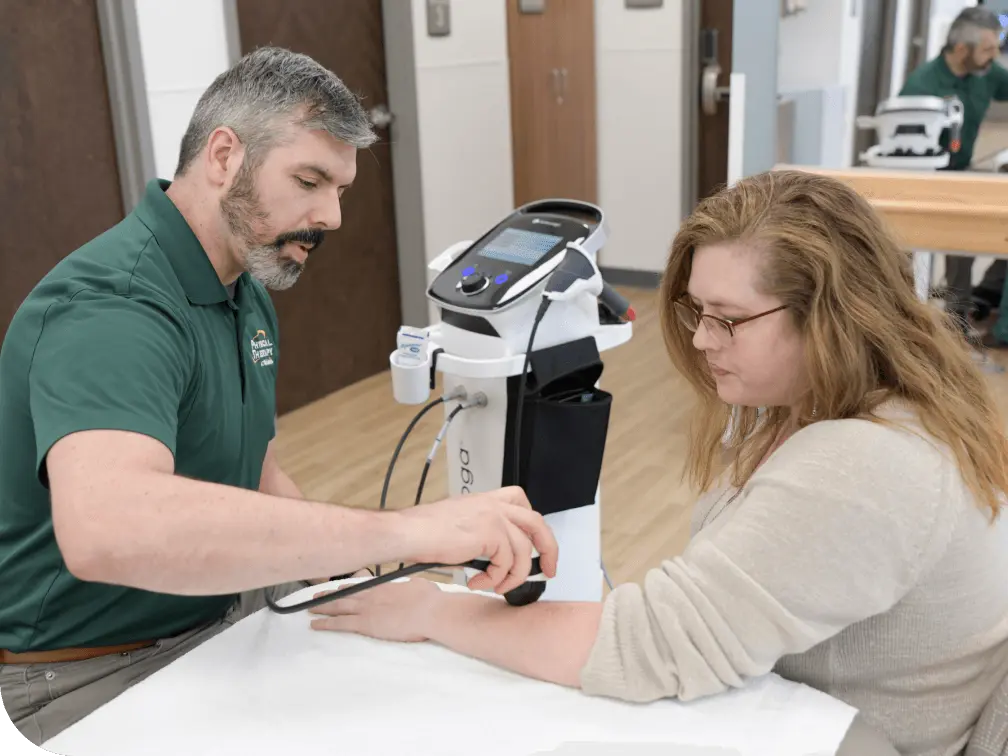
<point x="306" y="184"/>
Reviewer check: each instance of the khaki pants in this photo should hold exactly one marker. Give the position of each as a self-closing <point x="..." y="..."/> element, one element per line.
<point x="44" y="699"/>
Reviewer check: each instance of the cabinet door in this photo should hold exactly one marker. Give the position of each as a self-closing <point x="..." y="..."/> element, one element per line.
<point x="552" y="70"/>
<point x="575" y="112"/>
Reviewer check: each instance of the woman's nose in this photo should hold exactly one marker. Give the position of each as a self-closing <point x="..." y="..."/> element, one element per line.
<point x="702" y="339"/>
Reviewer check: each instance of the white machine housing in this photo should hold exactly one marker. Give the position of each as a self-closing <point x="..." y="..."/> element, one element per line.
<point x="909" y="131"/>
<point x="489" y="291"/>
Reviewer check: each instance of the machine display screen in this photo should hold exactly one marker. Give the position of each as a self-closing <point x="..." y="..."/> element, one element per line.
<point x="518" y="246"/>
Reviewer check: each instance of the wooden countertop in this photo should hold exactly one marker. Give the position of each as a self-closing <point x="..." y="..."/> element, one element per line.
<point x="940" y="211"/>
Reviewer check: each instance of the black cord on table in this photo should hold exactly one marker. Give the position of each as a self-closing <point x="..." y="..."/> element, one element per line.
<point x="480" y="565"/>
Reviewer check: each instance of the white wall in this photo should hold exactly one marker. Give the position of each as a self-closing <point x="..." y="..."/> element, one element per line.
<point x="176" y="76"/>
<point x="464" y="121"/>
<point x="820" y="48"/>
<point x="943" y="13"/>
<point x="640" y="93"/>
<point x="463" y="99"/>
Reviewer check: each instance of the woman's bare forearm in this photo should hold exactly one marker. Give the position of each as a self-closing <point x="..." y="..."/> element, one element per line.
<point x="165" y="533"/>
<point x="548" y="641"/>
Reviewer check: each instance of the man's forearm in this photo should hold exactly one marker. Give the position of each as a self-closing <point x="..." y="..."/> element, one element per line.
<point x="169" y="534"/>
<point x="276" y="482"/>
<point x="549" y="641"/>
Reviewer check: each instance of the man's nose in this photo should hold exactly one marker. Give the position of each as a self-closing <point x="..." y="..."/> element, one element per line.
<point x="329" y="216"/>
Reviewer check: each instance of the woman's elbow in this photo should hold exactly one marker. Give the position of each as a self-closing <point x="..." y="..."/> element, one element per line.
<point x="629" y="686"/>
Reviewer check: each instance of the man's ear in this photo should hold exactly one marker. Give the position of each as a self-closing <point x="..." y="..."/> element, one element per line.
<point x="225" y="153"/>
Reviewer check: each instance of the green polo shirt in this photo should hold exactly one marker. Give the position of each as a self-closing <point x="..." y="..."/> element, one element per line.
<point x="935" y="78"/>
<point x="133" y="331"/>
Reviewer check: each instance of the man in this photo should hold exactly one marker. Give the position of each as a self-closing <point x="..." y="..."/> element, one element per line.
<point x="967" y="69"/>
<point x="142" y="509"/>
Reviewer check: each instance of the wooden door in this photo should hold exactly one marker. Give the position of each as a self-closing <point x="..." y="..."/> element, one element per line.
<point x="712" y="129"/>
<point x="552" y="68"/>
<point x="338" y="324"/>
<point x="59" y="186"/>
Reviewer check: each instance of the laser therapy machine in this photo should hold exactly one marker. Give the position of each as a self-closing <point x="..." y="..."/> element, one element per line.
<point x="909" y="130"/>
<point x="525" y="315"/>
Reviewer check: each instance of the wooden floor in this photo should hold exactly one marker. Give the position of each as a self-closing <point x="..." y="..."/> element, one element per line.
<point x="338" y="449"/>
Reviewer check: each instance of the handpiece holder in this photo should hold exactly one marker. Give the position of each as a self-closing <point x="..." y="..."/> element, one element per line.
<point x="410" y="366"/>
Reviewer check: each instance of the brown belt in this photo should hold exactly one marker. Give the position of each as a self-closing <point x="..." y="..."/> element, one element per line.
<point x="68" y="654"/>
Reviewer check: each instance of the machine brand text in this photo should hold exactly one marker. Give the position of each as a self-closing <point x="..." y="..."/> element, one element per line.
<point x="465" y="472"/>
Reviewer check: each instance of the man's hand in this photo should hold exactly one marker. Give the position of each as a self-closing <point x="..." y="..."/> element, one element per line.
<point x="499" y="526"/>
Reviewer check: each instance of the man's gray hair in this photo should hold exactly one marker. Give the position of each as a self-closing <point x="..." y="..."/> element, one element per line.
<point x="266" y="91"/>
<point x="969" y="25"/>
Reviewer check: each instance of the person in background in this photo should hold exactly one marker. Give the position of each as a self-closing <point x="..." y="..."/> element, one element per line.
<point x="142" y="506"/>
<point x="968" y="69"/>
<point x="853" y="543"/>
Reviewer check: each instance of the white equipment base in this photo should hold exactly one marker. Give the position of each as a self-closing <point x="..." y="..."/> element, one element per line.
<point x="270" y="685"/>
<point x="874" y="158"/>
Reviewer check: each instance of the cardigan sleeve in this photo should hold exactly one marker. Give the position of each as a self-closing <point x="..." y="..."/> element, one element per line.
<point x="836" y="527"/>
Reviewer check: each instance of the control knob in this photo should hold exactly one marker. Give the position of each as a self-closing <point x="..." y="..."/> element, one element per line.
<point x="473" y="283"/>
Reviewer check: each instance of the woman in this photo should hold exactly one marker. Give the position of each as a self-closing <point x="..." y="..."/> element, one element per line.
<point x="852" y="544"/>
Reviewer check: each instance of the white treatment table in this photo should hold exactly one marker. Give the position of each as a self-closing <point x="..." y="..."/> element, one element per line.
<point x="270" y="685"/>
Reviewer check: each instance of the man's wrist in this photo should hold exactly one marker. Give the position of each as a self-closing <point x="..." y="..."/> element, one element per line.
<point x="397" y="531"/>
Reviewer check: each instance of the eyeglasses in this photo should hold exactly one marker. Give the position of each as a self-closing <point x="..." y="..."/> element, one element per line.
<point x="722" y="329"/>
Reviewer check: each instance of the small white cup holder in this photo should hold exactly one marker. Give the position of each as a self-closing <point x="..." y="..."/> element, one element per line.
<point x="410" y="379"/>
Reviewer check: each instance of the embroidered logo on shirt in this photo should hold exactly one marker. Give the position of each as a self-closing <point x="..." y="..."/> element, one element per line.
<point x="262" y="349"/>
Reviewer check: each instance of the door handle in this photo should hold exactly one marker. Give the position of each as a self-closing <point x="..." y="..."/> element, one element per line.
<point x="710" y="93"/>
<point x="559" y="84"/>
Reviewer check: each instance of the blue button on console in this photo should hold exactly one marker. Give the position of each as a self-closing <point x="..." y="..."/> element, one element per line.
<point x="502" y="278"/>
<point x="469" y="271"/>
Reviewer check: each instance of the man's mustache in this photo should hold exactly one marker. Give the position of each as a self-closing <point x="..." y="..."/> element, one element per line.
<point x="310" y="237"/>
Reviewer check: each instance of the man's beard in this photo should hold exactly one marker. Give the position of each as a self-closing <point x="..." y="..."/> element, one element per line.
<point x="979" y="70"/>
<point x="242" y="211"/>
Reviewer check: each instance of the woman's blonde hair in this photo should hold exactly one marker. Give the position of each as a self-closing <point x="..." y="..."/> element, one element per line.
<point x="868" y="338"/>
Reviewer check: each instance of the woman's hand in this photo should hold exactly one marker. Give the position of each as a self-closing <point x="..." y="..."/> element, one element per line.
<point x="548" y="641"/>
<point x="396" y="611"/>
